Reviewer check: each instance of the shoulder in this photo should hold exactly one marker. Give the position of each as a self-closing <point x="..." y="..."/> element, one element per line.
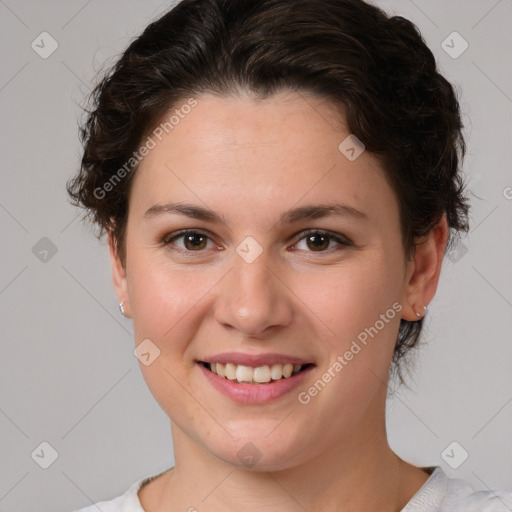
<point x="475" y="501"/>
<point x="127" y="502"/>
<point x="443" y="494"/>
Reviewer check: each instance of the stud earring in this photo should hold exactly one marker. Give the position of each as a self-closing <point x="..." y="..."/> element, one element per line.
<point x="121" y="308"/>
<point x="424" y="312"/>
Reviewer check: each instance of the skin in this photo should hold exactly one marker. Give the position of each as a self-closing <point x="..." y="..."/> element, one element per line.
<point x="251" y="161"/>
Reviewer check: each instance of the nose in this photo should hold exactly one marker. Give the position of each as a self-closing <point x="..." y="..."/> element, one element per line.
<point x="253" y="299"/>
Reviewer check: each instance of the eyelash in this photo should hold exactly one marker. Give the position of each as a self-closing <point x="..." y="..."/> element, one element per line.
<point x="341" y="240"/>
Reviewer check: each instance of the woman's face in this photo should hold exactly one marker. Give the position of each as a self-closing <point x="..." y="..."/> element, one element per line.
<point x="262" y="287"/>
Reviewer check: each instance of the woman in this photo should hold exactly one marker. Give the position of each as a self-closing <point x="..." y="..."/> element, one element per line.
<point x="279" y="181"/>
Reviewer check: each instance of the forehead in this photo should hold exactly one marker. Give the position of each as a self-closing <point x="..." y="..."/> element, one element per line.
<point x="240" y="123"/>
<point x="254" y="153"/>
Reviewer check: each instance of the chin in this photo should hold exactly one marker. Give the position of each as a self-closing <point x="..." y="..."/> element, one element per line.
<point x="259" y="454"/>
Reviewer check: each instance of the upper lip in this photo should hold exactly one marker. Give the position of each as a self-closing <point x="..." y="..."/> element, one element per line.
<point x="254" y="360"/>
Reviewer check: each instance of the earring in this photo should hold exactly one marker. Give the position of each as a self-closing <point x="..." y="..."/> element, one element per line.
<point x="121" y="308"/>
<point x="424" y="312"/>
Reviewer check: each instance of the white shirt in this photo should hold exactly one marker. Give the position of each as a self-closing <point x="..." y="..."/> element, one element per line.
<point x="438" y="494"/>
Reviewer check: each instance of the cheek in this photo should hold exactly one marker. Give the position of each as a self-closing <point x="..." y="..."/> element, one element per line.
<point x="356" y="312"/>
<point x="164" y="300"/>
<point x="352" y="297"/>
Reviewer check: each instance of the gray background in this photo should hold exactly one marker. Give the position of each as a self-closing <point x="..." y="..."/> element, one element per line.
<point x="67" y="372"/>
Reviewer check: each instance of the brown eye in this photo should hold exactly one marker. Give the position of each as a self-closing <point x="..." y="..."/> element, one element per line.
<point x="319" y="241"/>
<point x="193" y="241"/>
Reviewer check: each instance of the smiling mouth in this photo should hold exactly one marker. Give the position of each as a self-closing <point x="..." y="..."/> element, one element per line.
<point x="265" y="374"/>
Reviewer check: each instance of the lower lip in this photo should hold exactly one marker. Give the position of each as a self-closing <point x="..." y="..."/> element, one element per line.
<point x="254" y="393"/>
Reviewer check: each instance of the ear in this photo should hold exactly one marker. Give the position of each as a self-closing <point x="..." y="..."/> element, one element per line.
<point x="423" y="271"/>
<point x="118" y="275"/>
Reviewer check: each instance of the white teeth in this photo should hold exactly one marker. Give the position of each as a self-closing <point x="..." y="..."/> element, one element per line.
<point x="276" y="371"/>
<point x="221" y="372"/>
<point x="230" y="370"/>
<point x="244" y="373"/>
<point x="260" y="374"/>
<point x="287" y="370"/>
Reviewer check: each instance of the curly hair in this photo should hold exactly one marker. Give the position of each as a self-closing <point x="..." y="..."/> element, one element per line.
<point x="377" y="68"/>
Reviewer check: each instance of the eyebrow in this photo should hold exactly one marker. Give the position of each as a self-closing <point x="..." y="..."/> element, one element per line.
<point x="294" y="215"/>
